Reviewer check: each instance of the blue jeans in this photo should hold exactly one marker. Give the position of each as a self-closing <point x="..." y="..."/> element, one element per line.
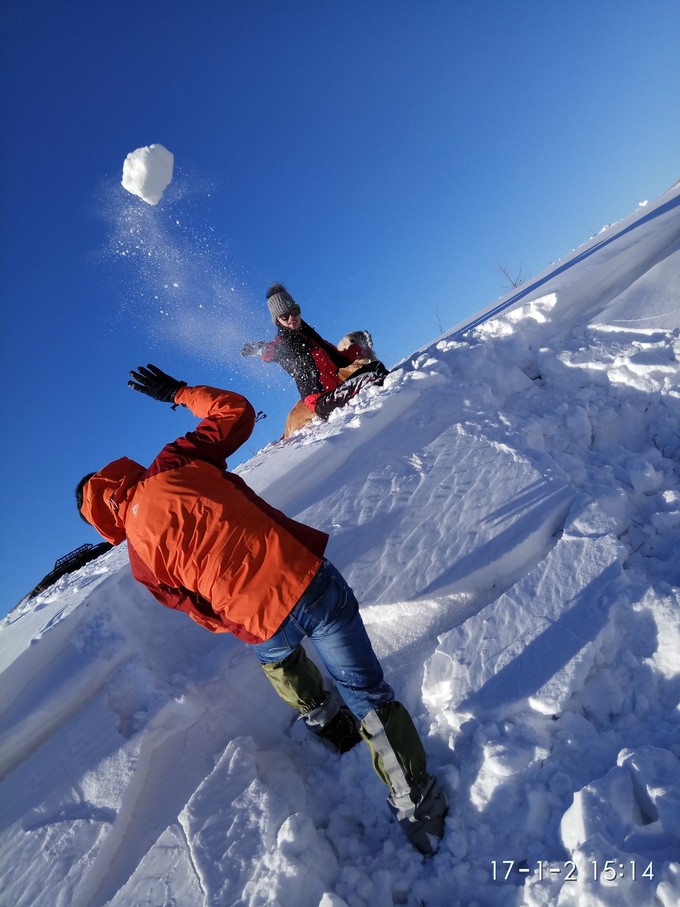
<point x="328" y="614"/>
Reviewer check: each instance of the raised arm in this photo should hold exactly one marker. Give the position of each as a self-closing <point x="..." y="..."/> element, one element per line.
<point x="227" y="418"/>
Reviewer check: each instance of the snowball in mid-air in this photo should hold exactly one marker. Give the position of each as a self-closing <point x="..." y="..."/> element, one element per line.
<point x="147" y="172"/>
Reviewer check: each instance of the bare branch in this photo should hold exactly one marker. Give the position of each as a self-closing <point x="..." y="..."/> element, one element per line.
<point x="513" y="282"/>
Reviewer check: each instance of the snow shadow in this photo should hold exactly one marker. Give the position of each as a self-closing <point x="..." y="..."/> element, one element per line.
<point x="518" y="777"/>
<point x="543" y="509"/>
<point x="550" y="651"/>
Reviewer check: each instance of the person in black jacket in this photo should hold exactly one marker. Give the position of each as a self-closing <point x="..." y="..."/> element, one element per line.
<point x="312" y="362"/>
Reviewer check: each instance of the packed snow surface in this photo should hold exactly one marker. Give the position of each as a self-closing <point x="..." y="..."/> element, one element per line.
<point x="147" y="172"/>
<point x="507" y="508"/>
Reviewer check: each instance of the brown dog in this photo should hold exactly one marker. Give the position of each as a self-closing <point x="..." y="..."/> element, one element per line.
<point x="300" y="415"/>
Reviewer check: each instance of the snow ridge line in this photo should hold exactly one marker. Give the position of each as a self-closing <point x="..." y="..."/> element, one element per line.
<point x="560" y="269"/>
<point x="120" y="851"/>
<point x="183" y="827"/>
<point x="65" y="701"/>
<point x="25" y="727"/>
<point x="460" y="331"/>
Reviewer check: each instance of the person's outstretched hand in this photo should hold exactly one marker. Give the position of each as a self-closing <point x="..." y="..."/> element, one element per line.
<point x="254" y="348"/>
<point x="150" y="380"/>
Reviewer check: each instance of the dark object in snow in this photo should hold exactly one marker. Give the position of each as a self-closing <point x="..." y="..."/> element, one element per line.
<point x="70" y="562"/>
<point x="341" y="731"/>
<point x="421" y="813"/>
<point x="332" y="720"/>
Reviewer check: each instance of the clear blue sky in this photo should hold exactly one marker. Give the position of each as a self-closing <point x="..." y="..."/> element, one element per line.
<point x="380" y="158"/>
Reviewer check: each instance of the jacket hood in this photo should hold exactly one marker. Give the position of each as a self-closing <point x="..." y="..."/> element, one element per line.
<point x="106" y="496"/>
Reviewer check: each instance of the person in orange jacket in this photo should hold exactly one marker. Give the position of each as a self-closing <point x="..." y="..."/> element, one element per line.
<point x="204" y="543"/>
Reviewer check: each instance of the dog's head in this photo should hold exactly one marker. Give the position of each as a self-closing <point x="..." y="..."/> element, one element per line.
<point x="362" y="339"/>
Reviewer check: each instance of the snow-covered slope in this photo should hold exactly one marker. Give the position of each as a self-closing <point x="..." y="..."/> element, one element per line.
<point x="507" y="508"/>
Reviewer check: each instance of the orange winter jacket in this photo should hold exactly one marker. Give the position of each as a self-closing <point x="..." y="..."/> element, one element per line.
<point x="198" y="537"/>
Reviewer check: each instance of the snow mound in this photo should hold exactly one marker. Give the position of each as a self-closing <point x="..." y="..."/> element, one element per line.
<point x="147" y="172"/>
<point x="507" y="508"/>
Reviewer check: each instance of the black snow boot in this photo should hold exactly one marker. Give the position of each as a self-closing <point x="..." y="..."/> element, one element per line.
<point x="421" y="813"/>
<point x="334" y="723"/>
<point x="341" y="731"/>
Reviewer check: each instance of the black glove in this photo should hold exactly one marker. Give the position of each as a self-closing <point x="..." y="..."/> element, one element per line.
<point x="254" y="348"/>
<point x="151" y="381"/>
